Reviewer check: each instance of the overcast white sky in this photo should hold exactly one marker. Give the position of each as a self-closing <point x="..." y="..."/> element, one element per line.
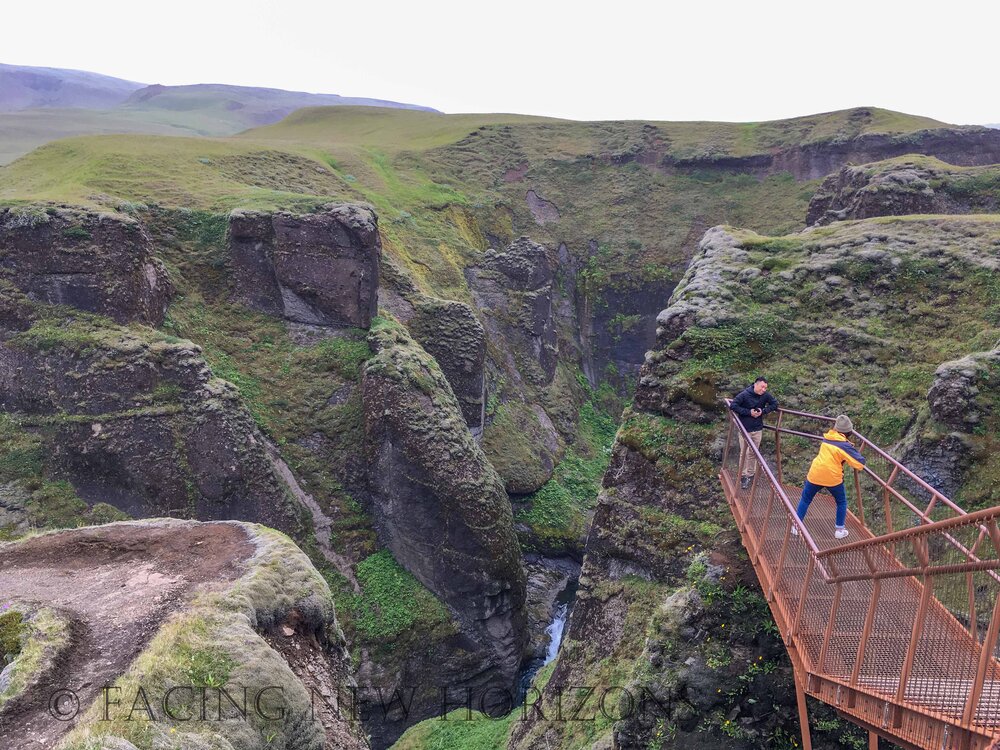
<point x="618" y="59"/>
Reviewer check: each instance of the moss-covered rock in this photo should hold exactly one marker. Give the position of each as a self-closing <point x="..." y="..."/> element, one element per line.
<point x="231" y="637"/>
<point x="952" y="441"/>
<point x="132" y="418"/>
<point x="451" y="333"/>
<point x="98" y="262"/>
<point x="906" y="185"/>
<point x="438" y="504"/>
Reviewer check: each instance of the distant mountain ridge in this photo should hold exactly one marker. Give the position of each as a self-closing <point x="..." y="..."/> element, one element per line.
<point x="39" y="105"/>
<point x="26" y="87"/>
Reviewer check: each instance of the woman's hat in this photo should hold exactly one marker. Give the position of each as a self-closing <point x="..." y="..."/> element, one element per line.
<point x="843" y="424"/>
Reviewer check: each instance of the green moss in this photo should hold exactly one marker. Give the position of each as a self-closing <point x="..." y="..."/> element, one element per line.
<point x="103" y="513"/>
<point x="55" y="505"/>
<point x="736" y="346"/>
<point x="42" y="634"/>
<point x="392" y="601"/>
<point x="21" y="452"/>
<point x="516" y="444"/>
<point x="668" y="531"/>
<point x="12" y="630"/>
<point x="557" y="514"/>
<point x="458" y="730"/>
<point x="76" y="233"/>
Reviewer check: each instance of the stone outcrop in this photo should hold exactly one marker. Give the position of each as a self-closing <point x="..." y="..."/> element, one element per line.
<point x="908" y="185"/>
<point x="968" y="146"/>
<point x="514" y="289"/>
<point x="962" y="409"/>
<point x="451" y="333"/>
<point x="136" y="419"/>
<point x="437" y="503"/>
<point x="101" y="263"/>
<point x="317" y="269"/>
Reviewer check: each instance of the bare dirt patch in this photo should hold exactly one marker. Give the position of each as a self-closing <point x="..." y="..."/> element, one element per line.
<point x="116" y="584"/>
<point x="543" y="211"/>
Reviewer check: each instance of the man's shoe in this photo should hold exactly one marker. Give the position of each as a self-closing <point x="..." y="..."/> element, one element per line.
<point x="745" y="482"/>
<point x="841" y="533"/>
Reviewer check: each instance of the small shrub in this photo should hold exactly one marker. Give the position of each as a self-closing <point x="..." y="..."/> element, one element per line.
<point x="11" y="632"/>
<point x="76" y="233"/>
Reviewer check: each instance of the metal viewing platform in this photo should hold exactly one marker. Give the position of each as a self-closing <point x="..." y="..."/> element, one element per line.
<point x="895" y="626"/>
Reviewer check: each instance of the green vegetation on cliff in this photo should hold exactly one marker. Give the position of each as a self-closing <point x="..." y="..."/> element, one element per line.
<point x="557" y="515"/>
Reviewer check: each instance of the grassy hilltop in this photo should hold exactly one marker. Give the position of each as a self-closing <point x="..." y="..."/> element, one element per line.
<point x="441" y="182"/>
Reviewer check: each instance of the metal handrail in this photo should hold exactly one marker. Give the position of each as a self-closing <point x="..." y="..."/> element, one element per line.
<point x="979" y="517"/>
<point x="922" y="515"/>
<point x="869" y="444"/>
<point x="773" y="480"/>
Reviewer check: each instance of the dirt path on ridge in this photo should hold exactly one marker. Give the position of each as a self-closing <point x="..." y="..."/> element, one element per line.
<point x="116" y="585"/>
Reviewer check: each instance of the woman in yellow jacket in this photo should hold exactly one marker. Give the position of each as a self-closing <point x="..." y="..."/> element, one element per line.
<point x="827" y="471"/>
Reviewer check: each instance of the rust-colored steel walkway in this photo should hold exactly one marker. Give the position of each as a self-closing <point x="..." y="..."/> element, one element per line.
<point x="895" y="626"/>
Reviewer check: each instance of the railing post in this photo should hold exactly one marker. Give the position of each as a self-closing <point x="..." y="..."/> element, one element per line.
<point x="834" y="606"/>
<point x="886" y="495"/>
<point x="794" y="631"/>
<point x="918" y="624"/>
<point x="729" y="440"/>
<point x="970" y="584"/>
<point x="800" y="699"/>
<point x="781" y="561"/>
<point x="985" y="656"/>
<point x="989" y="642"/>
<point x="777" y="447"/>
<point x="857" y="493"/>
<point x="866" y="631"/>
<point x="763" y="528"/>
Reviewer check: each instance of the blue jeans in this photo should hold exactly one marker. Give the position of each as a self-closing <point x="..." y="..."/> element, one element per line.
<point x="809" y="491"/>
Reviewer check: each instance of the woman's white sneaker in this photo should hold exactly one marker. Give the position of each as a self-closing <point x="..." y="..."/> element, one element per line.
<point x="840" y="533"/>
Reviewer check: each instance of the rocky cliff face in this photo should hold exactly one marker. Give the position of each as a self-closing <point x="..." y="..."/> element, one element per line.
<point x="442" y="510"/>
<point x="134" y="419"/>
<point x="319" y="269"/>
<point x="668" y="607"/>
<point x="813" y="161"/>
<point x="437" y="503"/>
<point x="514" y="289"/>
<point x="100" y="263"/>
<point x="907" y="185"/>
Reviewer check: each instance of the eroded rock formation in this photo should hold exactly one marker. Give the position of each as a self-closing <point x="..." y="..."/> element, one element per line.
<point x="514" y="289"/>
<point x="451" y="333"/>
<point x="101" y="263"/>
<point x="136" y="419"/>
<point x="953" y="432"/>
<point x="908" y="185"/>
<point x="318" y="269"/>
<point x="439" y="505"/>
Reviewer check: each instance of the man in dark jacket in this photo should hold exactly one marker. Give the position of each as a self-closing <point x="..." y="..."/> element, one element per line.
<point x="750" y="405"/>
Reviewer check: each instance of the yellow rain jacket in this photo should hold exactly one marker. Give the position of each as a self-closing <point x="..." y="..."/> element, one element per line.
<point x="827" y="468"/>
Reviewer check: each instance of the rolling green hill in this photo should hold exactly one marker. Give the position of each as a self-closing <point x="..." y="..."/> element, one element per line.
<point x="40" y="105"/>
